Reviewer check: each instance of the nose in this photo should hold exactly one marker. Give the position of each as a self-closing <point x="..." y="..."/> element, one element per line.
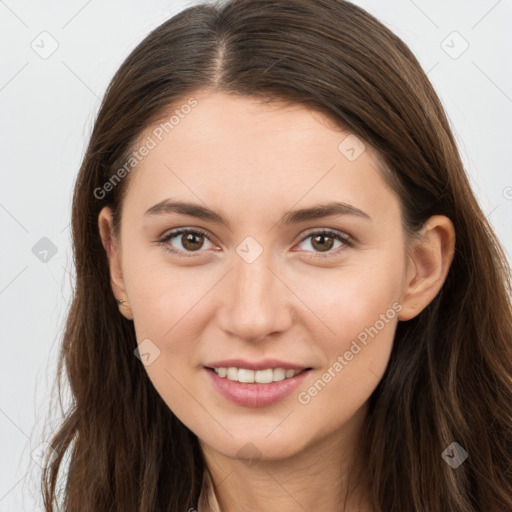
<point x="256" y="302"/>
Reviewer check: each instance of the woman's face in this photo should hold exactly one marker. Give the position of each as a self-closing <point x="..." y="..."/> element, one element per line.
<point x="256" y="282"/>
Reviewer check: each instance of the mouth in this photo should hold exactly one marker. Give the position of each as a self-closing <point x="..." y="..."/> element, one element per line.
<point x="255" y="388"/>
<point x="249" y="376"/>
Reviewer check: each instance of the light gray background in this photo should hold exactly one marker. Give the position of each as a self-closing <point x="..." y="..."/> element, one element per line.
<point x="48" y="106"/>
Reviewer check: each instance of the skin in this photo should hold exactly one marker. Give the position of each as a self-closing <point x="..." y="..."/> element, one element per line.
<point x="253" y="163"/>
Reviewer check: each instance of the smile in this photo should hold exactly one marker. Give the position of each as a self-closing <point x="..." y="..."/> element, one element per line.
<point x="259" y="376"/>
<point x="242" y="387"/>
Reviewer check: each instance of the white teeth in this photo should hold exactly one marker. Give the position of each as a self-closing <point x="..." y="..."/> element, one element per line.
<point x="232" y="373"/>
<point x="280" y="373"/>
<point x="263" y="376"/>
<point x="259" y="376"/>
<point x="245" y="375"/>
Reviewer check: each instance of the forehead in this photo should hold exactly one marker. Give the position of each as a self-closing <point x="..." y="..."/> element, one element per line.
<point x="238" y="149"/>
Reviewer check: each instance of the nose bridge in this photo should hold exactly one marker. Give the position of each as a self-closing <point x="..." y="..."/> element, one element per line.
<point x="255" y="299"/>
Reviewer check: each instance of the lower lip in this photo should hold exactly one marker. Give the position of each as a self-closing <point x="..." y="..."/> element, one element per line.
<point x="254" y="394"/>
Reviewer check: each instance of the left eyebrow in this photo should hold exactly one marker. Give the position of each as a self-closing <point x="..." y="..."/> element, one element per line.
<point x="293" y="217"/>
<point x="322" y="210"/>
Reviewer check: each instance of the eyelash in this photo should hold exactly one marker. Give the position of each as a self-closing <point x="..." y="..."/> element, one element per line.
<point x="344" y="238"/>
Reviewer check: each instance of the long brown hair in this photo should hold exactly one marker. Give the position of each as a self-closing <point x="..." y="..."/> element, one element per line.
<point x="449" y="378"/>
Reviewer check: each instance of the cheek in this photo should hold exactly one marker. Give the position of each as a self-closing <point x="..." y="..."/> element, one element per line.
<point x="358" y="309"/>
<point x="355" y="358"/>
<point x="345" y="301"/>
<point x="162" y="296"/>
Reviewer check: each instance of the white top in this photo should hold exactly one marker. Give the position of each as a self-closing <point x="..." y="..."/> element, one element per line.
<point x="207" y="499"/>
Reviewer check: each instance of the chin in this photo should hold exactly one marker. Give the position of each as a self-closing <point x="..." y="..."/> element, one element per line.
<point x="257" y="445"/>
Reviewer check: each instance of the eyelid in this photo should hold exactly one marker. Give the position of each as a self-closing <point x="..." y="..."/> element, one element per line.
<point x="166" y="237"/>
<point x="346" y="239"/>
<point x="329" y="231"/>
<point x="341" y="236"/>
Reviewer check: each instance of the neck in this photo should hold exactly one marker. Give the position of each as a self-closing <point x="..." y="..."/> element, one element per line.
<point x="325" y="475"/>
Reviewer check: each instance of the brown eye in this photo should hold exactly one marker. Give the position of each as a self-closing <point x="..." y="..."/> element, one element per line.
<point x="185" y="241"/>
<point x="323" y="242"/>
<point x="192" y="241"/>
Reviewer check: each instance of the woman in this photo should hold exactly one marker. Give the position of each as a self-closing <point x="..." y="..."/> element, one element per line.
<point x="287" y="296"/>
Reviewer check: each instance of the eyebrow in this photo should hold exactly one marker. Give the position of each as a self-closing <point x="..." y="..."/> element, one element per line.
<point x="292" y="217"/>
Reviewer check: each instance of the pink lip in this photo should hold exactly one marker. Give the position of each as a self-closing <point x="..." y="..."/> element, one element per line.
<point x="254" y="394"/>
<point x="259" y="365"/>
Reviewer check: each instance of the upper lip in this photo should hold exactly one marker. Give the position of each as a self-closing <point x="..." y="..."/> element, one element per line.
<point x="256" y="365"/>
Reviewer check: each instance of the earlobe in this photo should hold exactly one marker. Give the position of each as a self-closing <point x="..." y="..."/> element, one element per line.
<point x="430" y="258"/>
<point x="112" y="249"/>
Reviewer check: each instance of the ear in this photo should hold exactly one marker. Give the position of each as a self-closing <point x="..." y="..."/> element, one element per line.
<point x="430" y="257"/>
<point x="112" y="247"/>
